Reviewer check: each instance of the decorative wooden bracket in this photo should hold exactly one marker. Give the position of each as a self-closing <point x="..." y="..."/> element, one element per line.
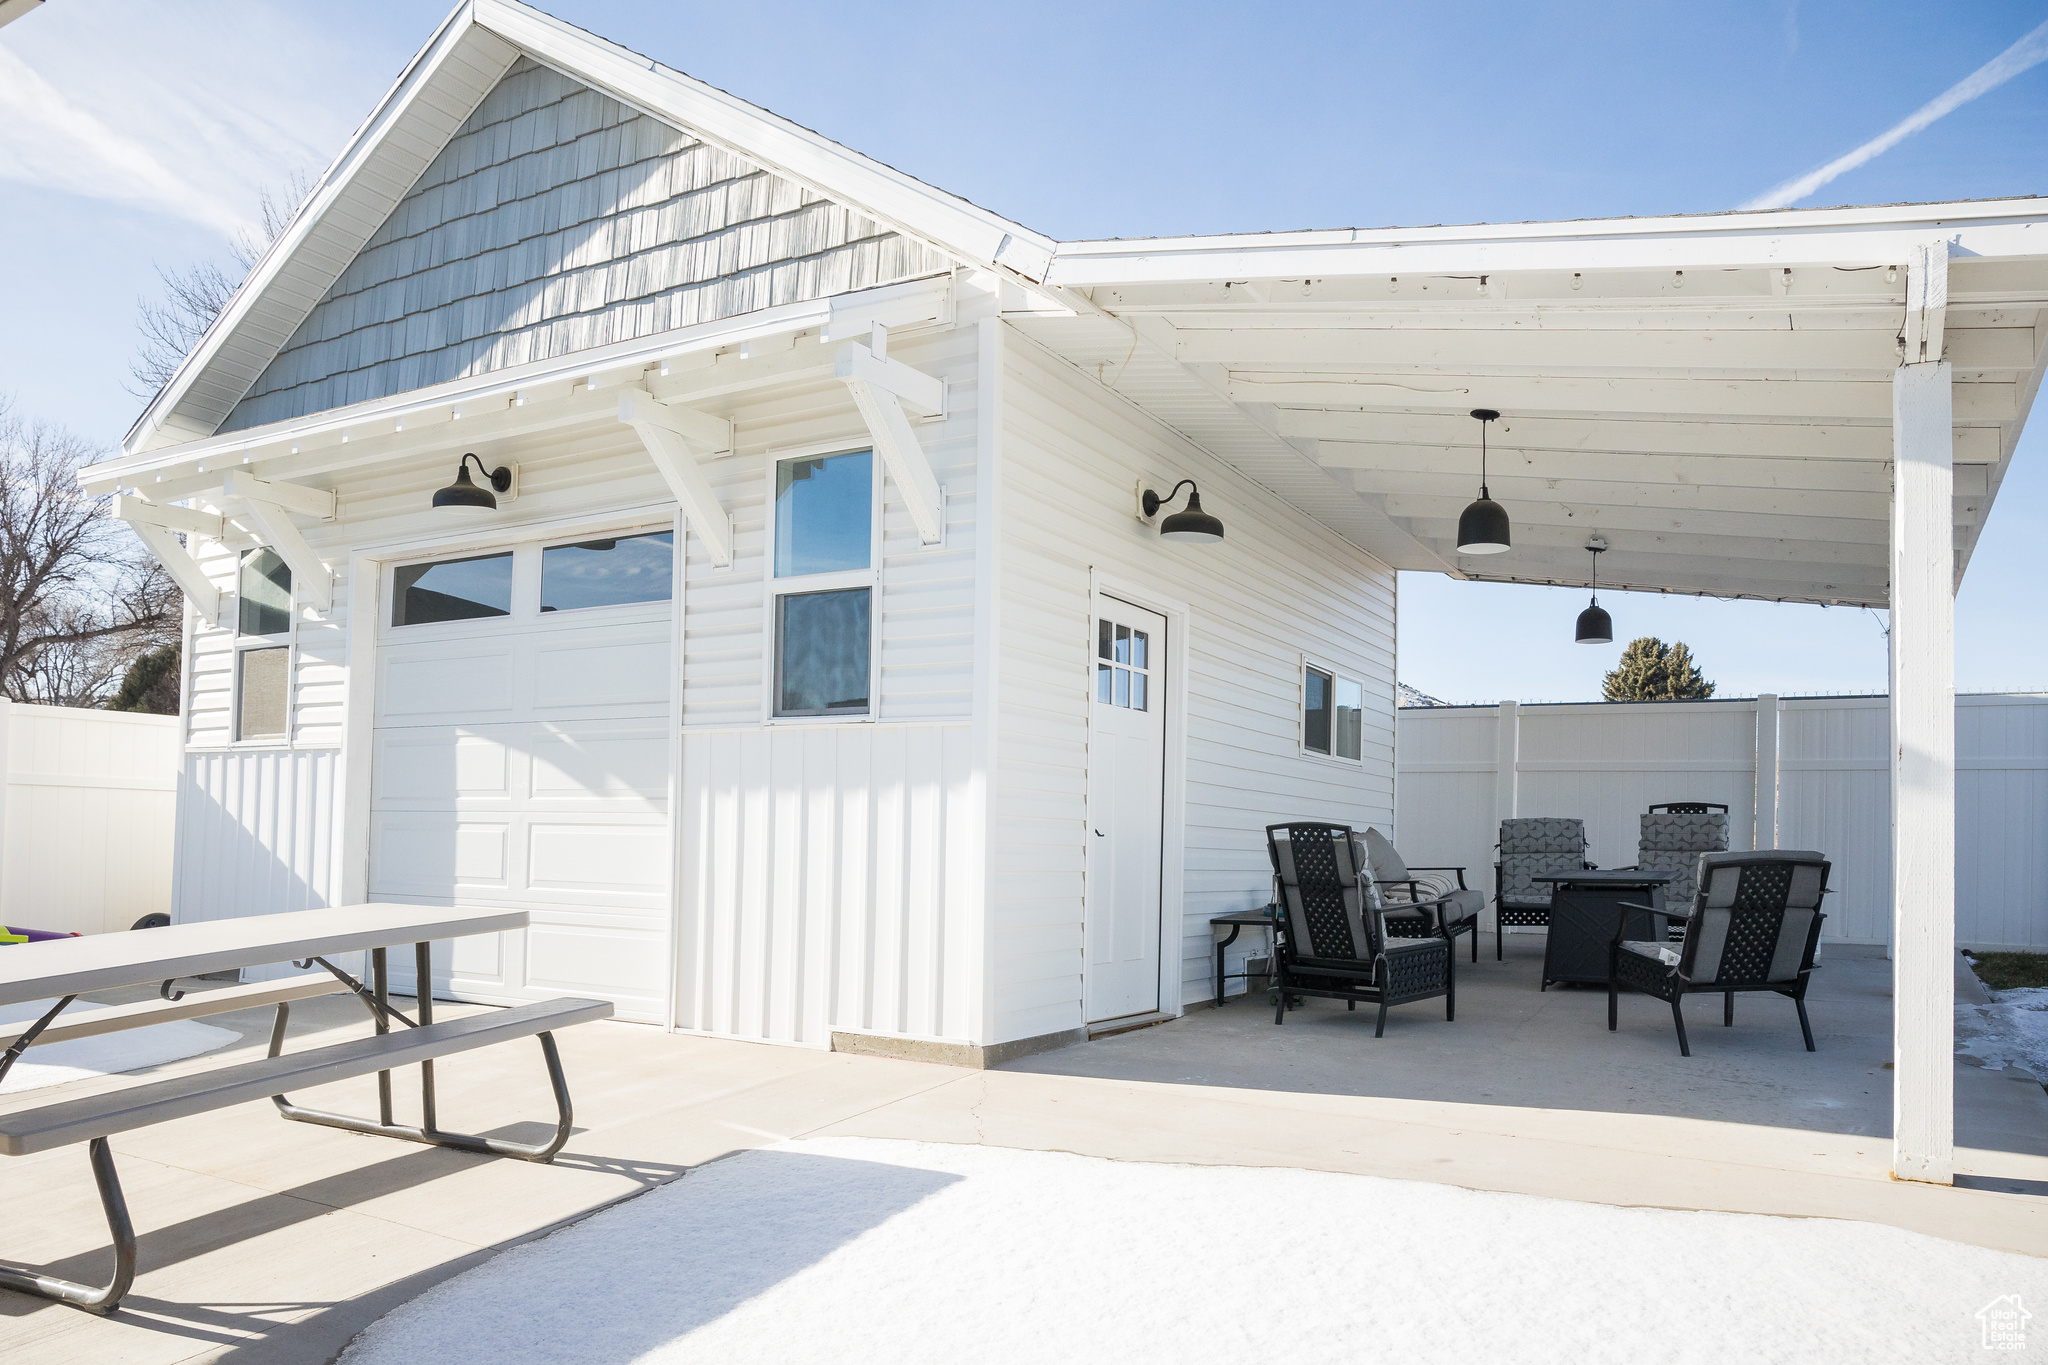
<point x="882" y="388"/>
<point x="270" y="508"/>
<point x="157" y="527"/>
<point x="675" y="438"/>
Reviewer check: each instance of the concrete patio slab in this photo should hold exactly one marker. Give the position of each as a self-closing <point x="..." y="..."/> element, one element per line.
<point x="267" y="1241"/>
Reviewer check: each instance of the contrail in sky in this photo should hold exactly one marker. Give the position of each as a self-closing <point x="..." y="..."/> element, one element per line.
<point x="2022" y="55"/>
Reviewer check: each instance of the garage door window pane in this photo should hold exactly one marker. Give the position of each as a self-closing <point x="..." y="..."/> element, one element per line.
<point x="607" y="573"/>
<point x="824" y="514"/>
<point x="821" y="655"/>
<point x="264" y="591"/>
<point x="453" y="590"/>
<point x="261" y="692"/>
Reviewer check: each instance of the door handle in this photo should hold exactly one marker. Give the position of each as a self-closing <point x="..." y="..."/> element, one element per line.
<point x="1098" y="834"/>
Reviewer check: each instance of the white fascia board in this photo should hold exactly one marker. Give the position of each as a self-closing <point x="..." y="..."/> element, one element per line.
<point x="910" y="303"/>
<point x="2009" y="229"/>
<point x="946" y="221"/>
<point x="414" y="83"/>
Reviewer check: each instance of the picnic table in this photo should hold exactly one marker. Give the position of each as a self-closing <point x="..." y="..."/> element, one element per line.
<point x="68" y="968"/>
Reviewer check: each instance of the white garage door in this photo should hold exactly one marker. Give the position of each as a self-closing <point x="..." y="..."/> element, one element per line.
<point x="522" y="759"/>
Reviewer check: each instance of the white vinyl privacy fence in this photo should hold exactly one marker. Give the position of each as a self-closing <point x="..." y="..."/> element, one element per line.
<point x="90" y="812"/>
<point x="1794" y="773"/>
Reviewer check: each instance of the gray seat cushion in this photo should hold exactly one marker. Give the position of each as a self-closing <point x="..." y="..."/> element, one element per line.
<point x="1464" y="905"/>
<point x="1666" y="953"/>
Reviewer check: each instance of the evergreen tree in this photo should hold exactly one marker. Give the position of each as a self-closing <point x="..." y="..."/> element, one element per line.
<point x="151" y="684"/>
<point x="1651" y="670"/>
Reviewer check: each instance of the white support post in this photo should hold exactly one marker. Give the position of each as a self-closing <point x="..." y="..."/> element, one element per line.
<point x="1766" y="772"/>
<point x="881" y="389"/>
<point x="1923" y="748"/>
<point x="673" y="436"/>
<point x="312" y="581"/>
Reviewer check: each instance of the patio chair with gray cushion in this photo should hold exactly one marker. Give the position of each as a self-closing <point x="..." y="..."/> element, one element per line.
<point x="1401" y="888"/>
<point x="1672" y="841"/>
<point x="1331" y="942"/>
<point x="1753" y="926"/>
<point x="1529" y="848"/>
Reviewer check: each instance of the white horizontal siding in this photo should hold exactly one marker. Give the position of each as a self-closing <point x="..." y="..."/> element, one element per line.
<point x="1279" y="587"/>
<point x="824" y="871"/>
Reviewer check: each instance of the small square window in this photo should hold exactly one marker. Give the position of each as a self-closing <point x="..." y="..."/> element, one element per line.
<point x="824" y="514"/>
<point x="264" y="594"/>
<point x="1350" y="718"/>
<point x="452" y="590"/>
<point x="1315" y="710"/>
<point x="821" y="653"/>
<point x="608" y="573"/>
<point x="262" y="692"/>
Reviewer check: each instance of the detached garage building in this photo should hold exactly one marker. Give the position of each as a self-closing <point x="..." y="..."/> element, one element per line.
<point x="797" y="647"/>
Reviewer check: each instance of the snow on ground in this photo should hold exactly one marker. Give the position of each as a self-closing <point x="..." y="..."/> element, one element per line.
<point x="857" y="1250"/>
<point x="129" y="1050"/>
<point x="2010" y="1031"/>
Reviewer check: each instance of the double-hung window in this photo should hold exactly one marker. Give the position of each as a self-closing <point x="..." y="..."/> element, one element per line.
<point x="263" y="648"/>
<point x="1332" y="713"/>
<point x="822" y="593"/>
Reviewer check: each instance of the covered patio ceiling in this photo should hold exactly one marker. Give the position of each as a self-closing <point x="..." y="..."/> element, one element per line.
<point x="1710" y="394"/>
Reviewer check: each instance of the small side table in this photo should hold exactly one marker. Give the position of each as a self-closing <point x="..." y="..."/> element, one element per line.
<point x="1237" y="920"/>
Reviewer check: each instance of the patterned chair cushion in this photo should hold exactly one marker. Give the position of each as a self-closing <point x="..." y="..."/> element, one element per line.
<point x="1534" y="846"/>
<point x="1673" y="843"/>
<point x="1753" y="915"/>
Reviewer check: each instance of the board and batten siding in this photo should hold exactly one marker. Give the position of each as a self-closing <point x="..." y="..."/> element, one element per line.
<point x="1278" y="588"/>
<point x="1605" y="763"/>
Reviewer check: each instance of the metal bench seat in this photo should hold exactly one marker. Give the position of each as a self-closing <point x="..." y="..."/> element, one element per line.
<point x="92" y="1119"/>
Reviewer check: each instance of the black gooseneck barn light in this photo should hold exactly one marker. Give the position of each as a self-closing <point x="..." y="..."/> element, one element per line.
<point x="1596" y="627"/>
<point x="465" y="497"/>
<point x="1191" y="524"/>
<point x="1483" y="525"/>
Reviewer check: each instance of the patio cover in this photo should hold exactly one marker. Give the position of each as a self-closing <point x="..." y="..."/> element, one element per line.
<point x="1798" y="405"/>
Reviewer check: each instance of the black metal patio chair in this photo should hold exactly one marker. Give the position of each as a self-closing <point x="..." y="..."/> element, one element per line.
<point x="1331" y="941"/>
<point x="1754" y="926"/>
<point x="1530" y="847"/>
<point x="1404" y="894"/>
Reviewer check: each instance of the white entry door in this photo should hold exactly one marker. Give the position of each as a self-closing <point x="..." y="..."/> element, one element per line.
<point x="1126" y="810"/>
<point x="521" y="759"/>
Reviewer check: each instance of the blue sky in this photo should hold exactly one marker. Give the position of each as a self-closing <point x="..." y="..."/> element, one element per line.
<point x="131" y="135"/>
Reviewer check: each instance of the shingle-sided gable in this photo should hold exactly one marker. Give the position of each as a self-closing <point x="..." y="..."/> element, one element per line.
<point x="556" y="220"/>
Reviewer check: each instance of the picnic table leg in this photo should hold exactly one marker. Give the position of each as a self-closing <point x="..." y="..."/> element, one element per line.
<point x="423" y="1001"/>
<point x="380" y="983"/>
<point x="107" y="1298"/>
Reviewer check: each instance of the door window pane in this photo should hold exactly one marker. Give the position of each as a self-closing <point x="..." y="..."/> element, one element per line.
<point x="1315" y="711"/>
<point x="1104" y="629"/>
<point x="1123" y="644"/>
<point x="824" y="514"/>
<point x="1138" y="650"/>
<point x="1123" y="687"/>
<point x="261" y="692"/>
<point x="1137" y="691"/>
<point x="264" y="594"/>
<point x="1350" y="718"/>
<point x="452" y="590"/>
<point x="821" y="655"/>
<point x="608" y="573"/>
<point x="1103" y="683"/>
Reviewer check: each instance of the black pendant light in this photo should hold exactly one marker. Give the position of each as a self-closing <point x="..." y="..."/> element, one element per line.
<point x="1596" y="627"/>
<point x="1483" y="526"/>
<point x="465" y="497"/>
<point x="1191" y="524"/>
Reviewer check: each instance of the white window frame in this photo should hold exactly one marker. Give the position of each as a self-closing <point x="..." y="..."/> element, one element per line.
<point x="1336" y="676"/>
<point x="675" y="571"/>
<point x="288" y="640"/>
<point x="773" y="588"/>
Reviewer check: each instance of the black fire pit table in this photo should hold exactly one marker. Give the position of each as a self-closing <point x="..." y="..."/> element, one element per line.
<point x="1584" y="908"/>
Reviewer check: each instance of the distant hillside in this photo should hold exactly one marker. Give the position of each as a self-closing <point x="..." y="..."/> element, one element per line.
<point x="1404" y="695"/>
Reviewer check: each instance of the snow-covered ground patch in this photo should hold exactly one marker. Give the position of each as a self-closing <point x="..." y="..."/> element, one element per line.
<point x="128" y="1050"/>
<point x="2011" y="1031"/>
<point x="856" y="1250"/>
